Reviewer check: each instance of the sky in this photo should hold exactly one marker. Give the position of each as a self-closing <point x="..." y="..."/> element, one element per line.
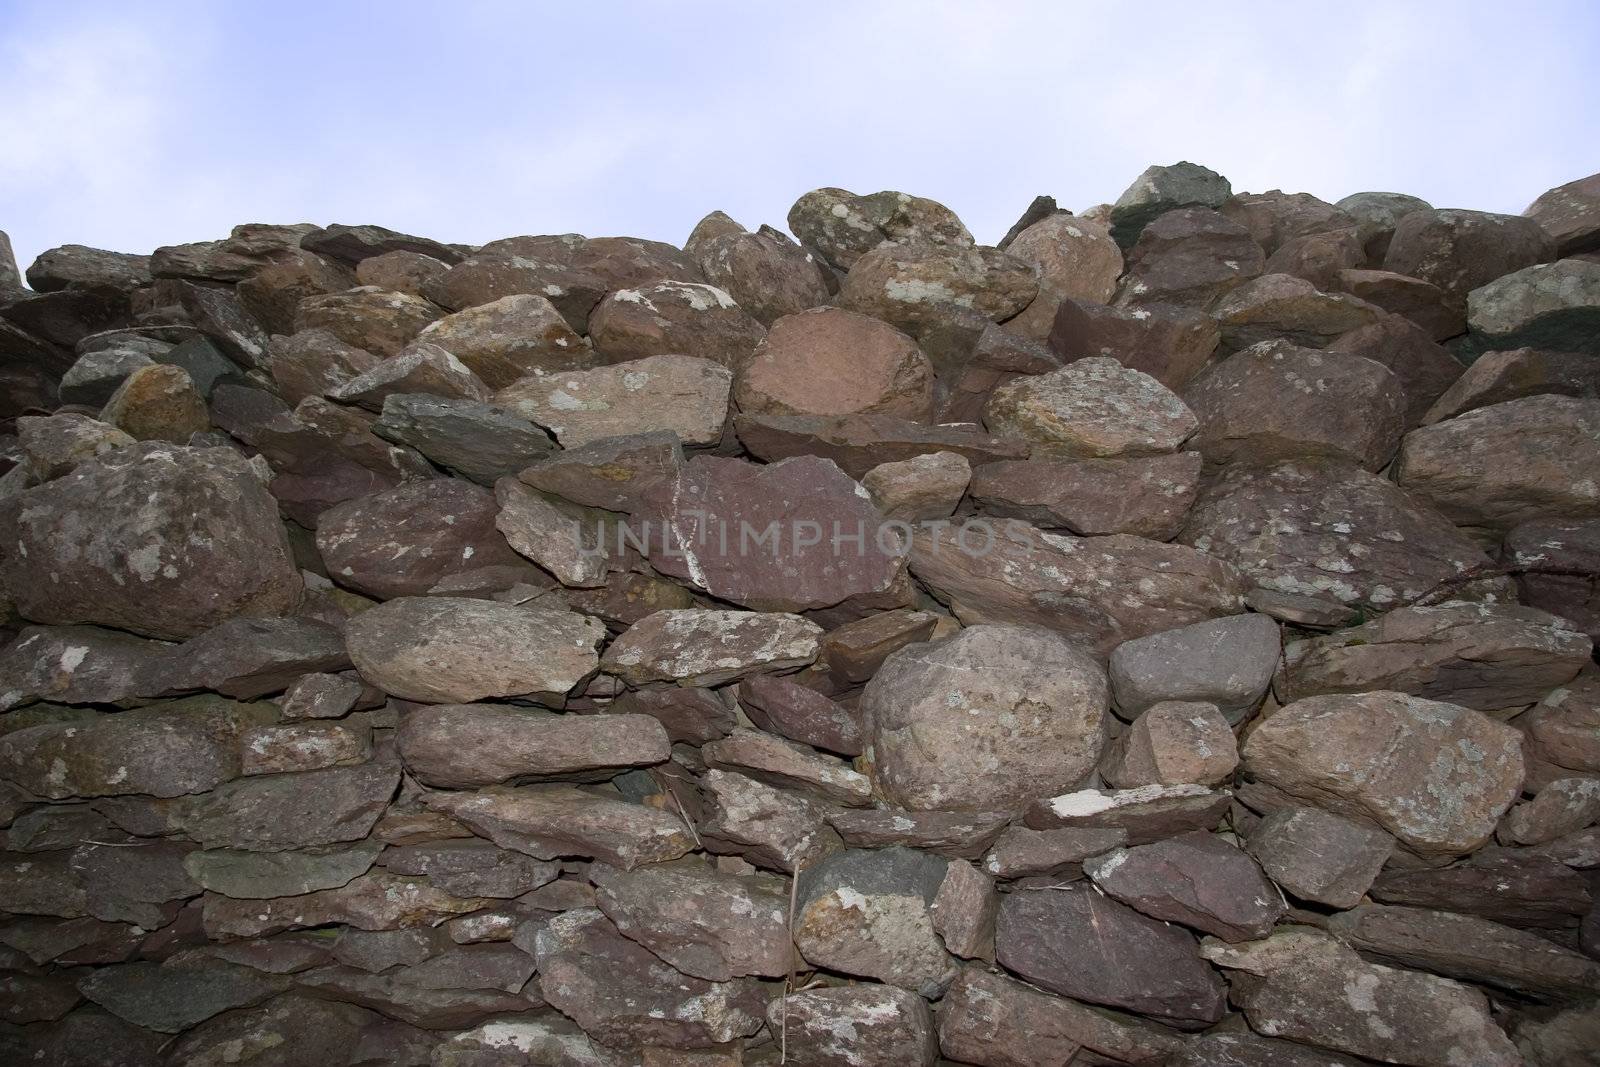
<point x="128" y="126"/>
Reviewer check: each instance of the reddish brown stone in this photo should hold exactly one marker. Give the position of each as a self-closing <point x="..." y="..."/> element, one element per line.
<point x="829" y="361"/>
<point x="1169" y="344"/>
<point x="1148" y="496"/>
<point x="857" y="443"/>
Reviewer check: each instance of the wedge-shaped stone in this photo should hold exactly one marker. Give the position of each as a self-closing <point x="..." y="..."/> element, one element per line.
<point x="1196" y="879"/>
<point x="699" y="648"/>
<point x="376" y="900"/>
<point x="875" y="1024"/>
<point x="550" y="822"/>
<point x="1148" y="813"/>
<point x="787" y="765"/>
<point x="770" y="827"/>
<point x="460" y="746"/>
<point x="274" y="812"/>
<point x="175" y="995"/>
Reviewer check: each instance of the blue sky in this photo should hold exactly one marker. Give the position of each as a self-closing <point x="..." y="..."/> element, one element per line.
<point x="129" y="125"/>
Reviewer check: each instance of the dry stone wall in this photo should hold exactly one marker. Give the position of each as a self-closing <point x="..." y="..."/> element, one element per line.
<point x="1166" y="638"/>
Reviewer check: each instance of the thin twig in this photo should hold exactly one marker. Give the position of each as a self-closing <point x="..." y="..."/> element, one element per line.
<point x="788" y="981"/>
<point x="684" y="814"/>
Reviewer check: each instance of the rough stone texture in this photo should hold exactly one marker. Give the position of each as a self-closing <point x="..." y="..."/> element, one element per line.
<point x="737" y="531"/>
<point x="1162" y="189"/>
<point x="1328" y="530"/>
<point x="614" y="473"/>
<point x="74" y="665"/>
<point x="157" y="403"/>
<point x="1147" y="496"/>
<point x="684" y="394"/>
<point x="1075" y="259"/>
<point x="1461" y="250"/>
<point x="913" y="287"/>
<point x="1196" y="879"/>
<point x="958" y="835"/>
<point x="769" y="827"/>
<point x="766" y="272"/>
<point x="1305" y="985"/>
<point x="477" y="441"/>
<point x="1101" y="590"/>
<point x="1496" y="377"/>
<point x="697" y="647"/>
<point x="1188" y="258"/>
<point x="830" y="361"/>
<point x="1173" y="743"/>
<point x="1318" y="856"/>
<point x="668" y="317"/>
<point x="1169" y="344"/>
<point x="1492" y="657"/>
<point x="1565" y="806"/>
<point x="789" y="766"/>
<point x="858" y="443"/>
<point x="1226" y="662"/>
<point x="1079" y="943"/>
<point x="459" y="746"/>
<point x="154" y="538"/>
<point x="548" y="822"/>
<point x="1148" y="813"/>
<point x="1436" y="776"/>
<point x="1425" y="370"/>
<point x="952" y="727"/>
<point x="925" y="487"/>
<point x="1570" y="214"/>
<point x="1281" y="307"/>
<point x="845" y="1026"/>
<point x="421" y="368"/>
<point x="509" y="339"/>
<point x="453" y="650"/>
<point x="1376" y="214"/>
<point x="842" y="225"/>
<point x="1092" y="409"/>
<point x="1275" y="401"/>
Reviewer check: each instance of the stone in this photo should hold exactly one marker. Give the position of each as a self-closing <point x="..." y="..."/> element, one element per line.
<point x="789" y="766"/>
<point x="157" y="403"/>
<point x="1562" y="807"/>
<point x="685" y="394"/>
<point x="152" y="568"/>
<point x="698" y="647"/>
<point x="769" y="827"/>
<point x="1075" y="941"/>
<point x="455" y="989"/>
<point x="1188" y="258"/>
<point x="82" y="267"/>
<point x="402" y="270"/>
<point x="1286" y="309"/>
<point x="567" y="541"/>
<point x="314" y="363"/>
<point x="691" y="715"/>
<point x="1376" y="214"/>
<point x="847" y="1025"/>
<point x="471" y="868"/>
<point x="454" y="650"/>
<point x="462" y="746"/>
<point x="950" y="730"/>
<point x="537" y="265"/>
<point x="867" y="913"/>
<point x="1563" y="1037"/>
<point x="552" y="821"/>
<point x="1458" y="251"/>
<point x="624" y="996"/>
<point x="142" y="882"/>
<point x="990" y="1019"/>
<point x="1277" y="401"/>
<point x="1305" y="985"/>
<point x="420" y="368"/>
<point x="547" y="1035"/>
<point x="1146" y="496"/>
<point x="1321" y="258"/>
<point x="1161" y="189"/>
<point x="1168" y="343"/>
<point x="1569" y="213"/>
<point x="272" y="294"/>
<point x="401" y="542"/>
<point x="304" y="746"/>
<point x="673" y="317"/>
<point x="1425" y="370"/>
<point x="734" y="530"/>
<point x="175" y="995"/>
<point x="1148" y="813"/>
<point x="1436" y="776"/>
<point x="1467" y="948"/>
<point x="356" y="244"/>
<point x="855" y="650"/>
<point x="509" y="339"/>
<point x="261" y="875"/>
<point x="275" y="812"/>
<point x="1498" y="466"/>
<point x="924" y="487"/>
<point x="222" y="319"/>
<point x="1327" y="529"/>
<point x="1227" y="662"/>
<point x="479" y="442"/>
<point x="1275" y="217"/>
<point x="956" y="835"/>
<point x="792" y="710"/>
<point x="1421" y="304"/>
<point x="706" y="924"/>
<point x="1560" y="731"/>
<point x="164" y="750"/>
<point x="1197" y="879"/>
<point x="247" y="658"/>
<point x="766" y="272"/>
<point x="1098" y="590"/>
<point x="1496" y="658"/>
<point x="1318" y="856"/>
<point x="74" y="665"/>
<point x="284" y="1031"/>
<point x="1173" y="743"/>
<point x="858" y="443"/>
<point x="912" y="287"/>
<point x="1074" y="258"/>
<point x="1533" y="891"/>
<point x="379" y="320"/>
<point x="963" y="911"/>
<point x="1021" y="852"/>
<point x="1092" y="409"/>
<point x="614" y="473"/>
<point x="94" y="377"/>
<point x="1496" y="377"/>
<point x="832" y="361"/>
<point x="843" y="226"/>
<point x="1551" y="305"/>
